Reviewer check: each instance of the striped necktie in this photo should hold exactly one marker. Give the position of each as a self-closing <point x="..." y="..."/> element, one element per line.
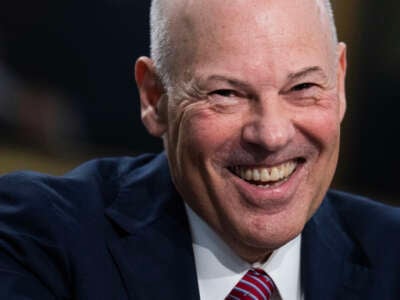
<point x="254" y="285"/>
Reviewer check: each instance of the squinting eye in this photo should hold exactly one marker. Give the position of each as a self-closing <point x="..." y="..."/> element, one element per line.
<point x="303" y="86"/>
<point x="224" y="93"/>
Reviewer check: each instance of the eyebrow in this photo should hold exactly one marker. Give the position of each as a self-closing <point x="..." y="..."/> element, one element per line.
<point x="305" y="72"/>
<point x="231" y="81"/>
<point x="291" y="77"/>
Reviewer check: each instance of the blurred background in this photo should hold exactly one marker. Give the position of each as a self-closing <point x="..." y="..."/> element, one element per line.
<point x="67" y="91"/>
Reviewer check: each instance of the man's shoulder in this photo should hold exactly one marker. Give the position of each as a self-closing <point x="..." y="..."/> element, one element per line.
<point x="49" y="222"/>
<point x="89" y="187"/>
<point x="370" y="223"/>
<point x="360" y="209"/>
<point x="356" y="231"/>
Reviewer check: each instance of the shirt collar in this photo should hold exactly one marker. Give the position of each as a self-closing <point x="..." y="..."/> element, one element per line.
<point x="219" y="268"/>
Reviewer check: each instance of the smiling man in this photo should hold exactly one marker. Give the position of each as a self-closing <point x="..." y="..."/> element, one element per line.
<point x="251" y="118"/>
<point x="248" y="97"/>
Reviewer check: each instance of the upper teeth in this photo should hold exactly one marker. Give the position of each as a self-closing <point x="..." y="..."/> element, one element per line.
<point x="264" y="174"/>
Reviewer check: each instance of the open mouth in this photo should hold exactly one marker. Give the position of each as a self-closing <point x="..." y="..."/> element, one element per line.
<point x="266" y="176"/>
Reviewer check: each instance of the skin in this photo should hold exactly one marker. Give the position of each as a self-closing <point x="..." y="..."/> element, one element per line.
<point x="257" y="84"/>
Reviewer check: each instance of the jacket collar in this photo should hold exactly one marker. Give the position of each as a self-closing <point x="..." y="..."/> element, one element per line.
<point x="333" y="265"/>
<point x="153" y="249"/>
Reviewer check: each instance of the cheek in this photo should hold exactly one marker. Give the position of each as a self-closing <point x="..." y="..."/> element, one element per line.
<point x="204" y="131"/>
<point x="321" y="125"/>
<point x="199" y="138"/>
<point x="195" y="134"/>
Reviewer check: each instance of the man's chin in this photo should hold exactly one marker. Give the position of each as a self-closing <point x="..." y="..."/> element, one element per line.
<point x="253" y="243"/>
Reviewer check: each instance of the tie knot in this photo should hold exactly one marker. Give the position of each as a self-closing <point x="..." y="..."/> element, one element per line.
<point x="254" y="285"/>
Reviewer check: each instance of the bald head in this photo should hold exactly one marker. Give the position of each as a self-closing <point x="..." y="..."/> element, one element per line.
<point x="172" y="27"/>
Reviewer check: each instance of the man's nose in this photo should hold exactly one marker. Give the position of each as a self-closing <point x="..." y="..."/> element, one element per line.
<point x="270" y="126"/>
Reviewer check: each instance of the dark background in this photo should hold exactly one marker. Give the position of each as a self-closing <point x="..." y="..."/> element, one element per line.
<point x="67" y="91"/>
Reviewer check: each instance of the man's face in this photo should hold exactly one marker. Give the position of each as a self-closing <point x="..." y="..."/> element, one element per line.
<point x="254" y="118"/>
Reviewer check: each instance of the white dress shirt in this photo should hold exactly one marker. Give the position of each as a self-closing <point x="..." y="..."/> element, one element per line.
<point x="219" y="269"/>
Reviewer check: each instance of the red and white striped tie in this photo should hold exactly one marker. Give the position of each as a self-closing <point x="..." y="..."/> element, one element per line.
<point x="254" y="285"/>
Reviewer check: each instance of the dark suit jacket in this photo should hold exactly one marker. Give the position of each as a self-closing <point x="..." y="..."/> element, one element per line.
<point x="116" y="229"/>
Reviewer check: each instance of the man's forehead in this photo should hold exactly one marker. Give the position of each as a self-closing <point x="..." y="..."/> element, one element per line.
<point x="207" y="16"/>
<point x="200" y="30"/>
<point x="189" y="7"/>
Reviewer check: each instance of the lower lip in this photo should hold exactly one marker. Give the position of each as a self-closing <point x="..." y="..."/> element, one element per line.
<point x="274" y="195"/>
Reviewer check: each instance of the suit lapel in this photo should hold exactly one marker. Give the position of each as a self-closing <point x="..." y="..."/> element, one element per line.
<point x="332" y="265"/>
<point x="153" y="248"/>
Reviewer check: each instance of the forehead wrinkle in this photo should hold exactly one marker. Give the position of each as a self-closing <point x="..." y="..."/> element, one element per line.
<point x="230" y="80"/>
<point x="306" y="72"/>
<point x="188" y="89"/>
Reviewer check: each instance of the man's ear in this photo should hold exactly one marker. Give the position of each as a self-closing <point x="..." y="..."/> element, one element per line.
<point x="151" y="93"/>
<point x="341" y="77"/>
